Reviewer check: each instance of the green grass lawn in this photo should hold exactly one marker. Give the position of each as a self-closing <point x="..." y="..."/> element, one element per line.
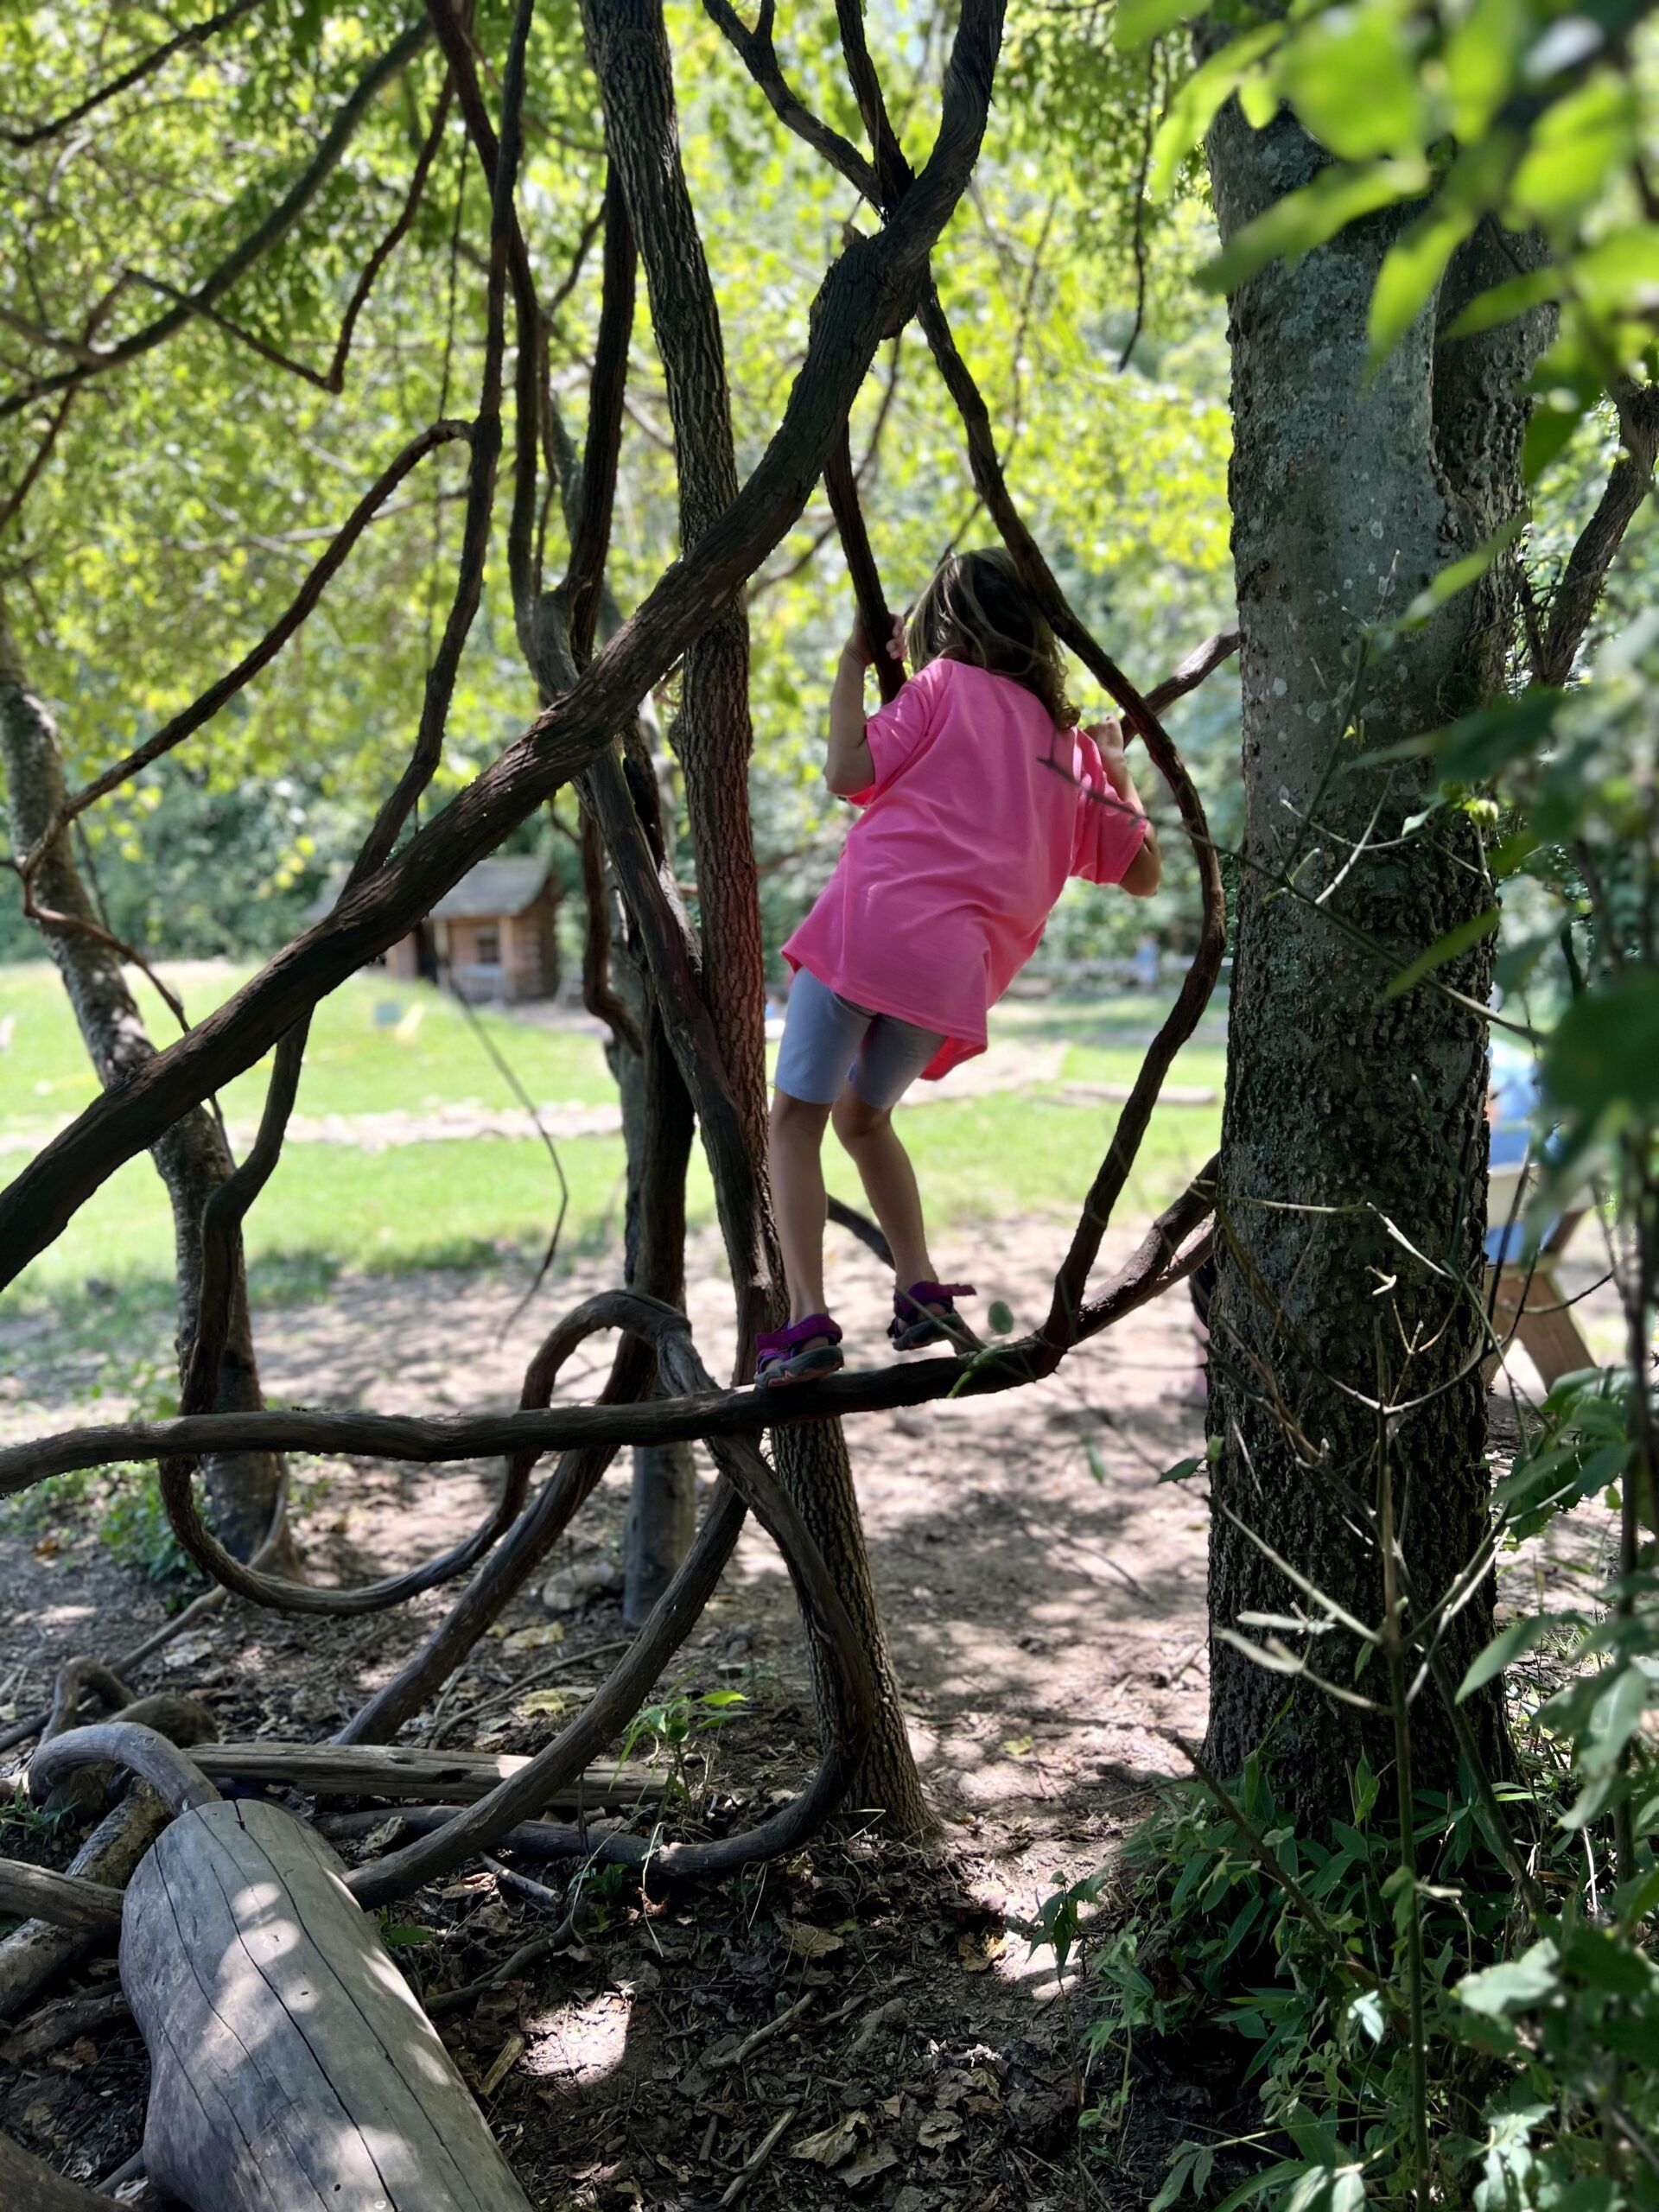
<point x="494" y="1200"/>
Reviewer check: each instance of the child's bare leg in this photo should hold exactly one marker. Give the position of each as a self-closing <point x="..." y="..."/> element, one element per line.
<point x="889" y="1183"/>
<point x="798" y="1198"/>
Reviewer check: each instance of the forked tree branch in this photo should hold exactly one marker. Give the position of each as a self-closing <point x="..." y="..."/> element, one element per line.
<point x="1556" y="639"/>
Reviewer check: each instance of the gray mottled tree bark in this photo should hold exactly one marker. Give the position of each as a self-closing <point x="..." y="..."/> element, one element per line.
<point x="1345" y="1110"/>
<point x="193" y="1158"/>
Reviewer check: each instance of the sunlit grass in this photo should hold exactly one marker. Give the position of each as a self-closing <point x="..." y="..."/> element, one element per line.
<point x="494" y="1200"/>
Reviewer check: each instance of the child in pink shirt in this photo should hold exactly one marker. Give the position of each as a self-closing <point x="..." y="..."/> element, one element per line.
<point x="979" y="796"/>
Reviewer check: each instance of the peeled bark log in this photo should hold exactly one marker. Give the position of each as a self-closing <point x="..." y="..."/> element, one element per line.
<point x="394" y="1772"/>
<point x="61" y="1900"/>
<point x="291" y="2069"/>
<point x="191" y="1157"/>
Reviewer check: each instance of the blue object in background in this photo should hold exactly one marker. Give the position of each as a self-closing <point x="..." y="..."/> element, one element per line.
<point x="1513" y="1090"/>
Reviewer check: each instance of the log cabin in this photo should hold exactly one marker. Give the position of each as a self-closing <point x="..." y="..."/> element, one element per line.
<point x="493" y="936"/>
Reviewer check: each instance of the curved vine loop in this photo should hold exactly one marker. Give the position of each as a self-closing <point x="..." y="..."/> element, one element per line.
<point x="609" y="1310"/>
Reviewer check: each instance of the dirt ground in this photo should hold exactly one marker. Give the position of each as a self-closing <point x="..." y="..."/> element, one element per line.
<point x="1044" y="1598"/>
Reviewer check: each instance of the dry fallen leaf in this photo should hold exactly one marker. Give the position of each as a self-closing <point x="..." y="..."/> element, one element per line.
<point x="875" y="2160"/>
<point x="938" y="2129"/>
<point x="978" y="1954"/>
<point x="833" y="2144"/>
<point x="536" y="1702"/>
<point x="809" y="1943"/>
<point x="536" y="1638"/>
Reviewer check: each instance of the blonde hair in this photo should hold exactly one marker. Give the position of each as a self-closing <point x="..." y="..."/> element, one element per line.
<point x="976" y="609"/>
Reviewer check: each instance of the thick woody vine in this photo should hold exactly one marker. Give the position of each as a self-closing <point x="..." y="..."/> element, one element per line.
<point x="700" y="1055"/>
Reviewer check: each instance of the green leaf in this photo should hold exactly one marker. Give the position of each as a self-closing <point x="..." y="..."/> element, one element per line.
<point x="1473" y="749"/>
<point x="1607" y="1964"/>
<point x="1137" y="23"/>
<point x="1182" y="1470"/>
<point x="1555" y="416"/>
<point x="1200" y="99"/>
<point x="1452" y="946"/>
<point x="1351" y="76"/>
<point x="1305" y="219"/>
<point x="1507" y="1645"/>
<point x="1411" y="267"/>
<point x="1502" y="302"/>
<point x="1621" y="270"/>
<point x="1602" y="1061"/>
<point x="1614" y="1719"/>
<point x="1578" y="144"/>
<point x="1458" y="575"/>
<point x="1514" y="1983"/>
<point x="1000" y="1318"/>
<point x="1482" y="54"/>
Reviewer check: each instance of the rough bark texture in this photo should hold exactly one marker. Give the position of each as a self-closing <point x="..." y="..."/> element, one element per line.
<point x="193" y="1158"/>
<point x="662" y="1499"/>
<point x="713" y="735"/>
<point x="1347" y="497"/>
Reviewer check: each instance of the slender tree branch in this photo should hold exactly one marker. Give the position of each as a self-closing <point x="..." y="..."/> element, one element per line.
<point x="258" y="242"/>
<point x="194" y="34"/>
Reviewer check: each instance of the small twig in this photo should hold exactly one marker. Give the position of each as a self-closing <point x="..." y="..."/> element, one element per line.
<point x="764" y="2034"/>
<point x="769" y="2142"/>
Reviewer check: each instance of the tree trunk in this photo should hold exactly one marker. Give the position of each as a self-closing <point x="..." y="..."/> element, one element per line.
<point x="663" y="1501"/>
<point x="630" y="51"/>
<point x="193" y="1158"/>
<point x="1347" y="496"/>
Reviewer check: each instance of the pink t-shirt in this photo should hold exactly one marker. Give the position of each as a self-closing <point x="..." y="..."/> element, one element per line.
<point x="979" y="811"/>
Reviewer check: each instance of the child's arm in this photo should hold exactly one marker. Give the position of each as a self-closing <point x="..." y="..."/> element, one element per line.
<point x="1145" y="872"/>
<point x="848" y="766"/>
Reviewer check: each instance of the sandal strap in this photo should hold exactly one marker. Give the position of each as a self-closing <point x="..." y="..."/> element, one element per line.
<point x="922" y="1295"/>
<point x="779" y="1343"/>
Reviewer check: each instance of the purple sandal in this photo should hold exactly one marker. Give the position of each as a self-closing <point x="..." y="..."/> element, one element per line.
<point x="779" y="1355"/>
<point x="912" y="1325"/>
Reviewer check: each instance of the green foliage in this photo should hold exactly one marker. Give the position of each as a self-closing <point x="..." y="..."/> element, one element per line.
<point x="1505" y="113"/>
<point x="1528" y="2033"/>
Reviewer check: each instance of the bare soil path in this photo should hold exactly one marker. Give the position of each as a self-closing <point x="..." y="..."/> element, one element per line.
<point x="1045" y="1596"/>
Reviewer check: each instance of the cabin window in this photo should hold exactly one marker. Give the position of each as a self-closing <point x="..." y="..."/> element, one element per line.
<point x="486" y="945"/>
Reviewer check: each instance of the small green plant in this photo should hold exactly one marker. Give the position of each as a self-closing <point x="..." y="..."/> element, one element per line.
<point x="135" y="1530"/>
<point x="671" y="1724"/>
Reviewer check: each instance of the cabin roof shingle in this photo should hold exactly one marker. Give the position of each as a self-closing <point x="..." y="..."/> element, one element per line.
<point x="502" y="885"/>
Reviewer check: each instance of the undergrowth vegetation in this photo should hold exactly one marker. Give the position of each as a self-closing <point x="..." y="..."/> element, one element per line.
<point x="1232" y="1937"/>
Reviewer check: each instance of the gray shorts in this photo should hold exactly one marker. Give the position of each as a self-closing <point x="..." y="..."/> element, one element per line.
<point x="828" y="1041"/>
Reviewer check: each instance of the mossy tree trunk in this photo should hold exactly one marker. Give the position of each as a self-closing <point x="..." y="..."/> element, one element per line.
<point x="1347" y="1110"/>
<point x="193" y="1158"/>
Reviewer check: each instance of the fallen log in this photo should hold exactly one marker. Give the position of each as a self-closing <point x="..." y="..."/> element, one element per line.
<point x="291" y="2068"/>
<point x="29" y="2184"/>
<point x="33" y="1954"/>
<point x="402" y="1772"/>
<point x="61" y="1900"/>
